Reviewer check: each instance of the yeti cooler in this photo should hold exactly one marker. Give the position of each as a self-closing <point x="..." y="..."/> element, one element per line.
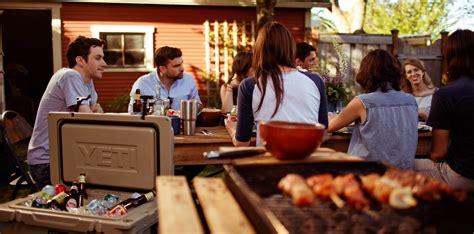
<point x="119" y="153"/>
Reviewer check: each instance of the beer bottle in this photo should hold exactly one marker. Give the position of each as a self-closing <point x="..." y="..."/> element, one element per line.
<point x="57" y="202"/>
<point x="72" y="200"/>
<point x="123" y="207"/>
<point x="82" y="194"/>
<point x="137" y="103"/>
<point x="135" y="202"/>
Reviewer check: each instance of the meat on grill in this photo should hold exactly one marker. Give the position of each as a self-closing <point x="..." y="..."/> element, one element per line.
<point x="295" y="186"/>
<point x="325" y="186"/>
<point x="396" y="188"/>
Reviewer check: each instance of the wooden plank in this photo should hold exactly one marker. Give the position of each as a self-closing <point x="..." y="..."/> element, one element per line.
<point x="357" y="55"/>
<point x="372" y="47"/>
<point x="320" y="155"/>
<point x="222" y="212"/>
<point x="356" y="39"/>
<point x="176" y="210"/>
<point x="421" y="57"/>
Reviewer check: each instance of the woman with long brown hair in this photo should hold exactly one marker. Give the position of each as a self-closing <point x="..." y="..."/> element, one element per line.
<point x="241" y="69"/>
<point x="278" y="91"/>
<point x="452" y="112"/>
<point x="418" y="83"/>
<point x="385" y="117"/>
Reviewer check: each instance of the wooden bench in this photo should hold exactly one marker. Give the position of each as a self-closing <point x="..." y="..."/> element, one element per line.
<point x="178" y="213"/>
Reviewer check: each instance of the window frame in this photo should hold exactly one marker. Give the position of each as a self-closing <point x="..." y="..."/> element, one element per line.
<point x="148" y="43"/>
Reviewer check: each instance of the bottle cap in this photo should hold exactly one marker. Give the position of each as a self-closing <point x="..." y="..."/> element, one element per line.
<point x="149" y="196"/>
<point x="82" y="178"/>
<point x="59" y="188"/>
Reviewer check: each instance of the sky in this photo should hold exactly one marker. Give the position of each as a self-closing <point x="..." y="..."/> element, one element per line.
<point x="465" y="22"/>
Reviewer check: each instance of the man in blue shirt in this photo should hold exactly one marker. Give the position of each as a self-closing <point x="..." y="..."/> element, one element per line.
<point x="305" y="56"/>
<point x="168" y="81"/>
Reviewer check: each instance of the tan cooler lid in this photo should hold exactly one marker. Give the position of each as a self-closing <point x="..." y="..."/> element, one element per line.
<point x="116" y="152"/>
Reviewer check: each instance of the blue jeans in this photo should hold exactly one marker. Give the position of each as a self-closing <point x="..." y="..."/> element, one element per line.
<point x="41" y="174"/>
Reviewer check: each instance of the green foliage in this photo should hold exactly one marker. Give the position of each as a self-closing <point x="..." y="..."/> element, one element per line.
<point x="409" y="17"/>
<point x="326" y="24"/>
<point x="336" y="89"/>
<point x="119" y="104"/>
<point x="336" y="92"/>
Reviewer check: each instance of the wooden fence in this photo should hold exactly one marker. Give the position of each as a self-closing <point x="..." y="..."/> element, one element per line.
<point x="357" y="46"/>
<point x="222" y="42"/>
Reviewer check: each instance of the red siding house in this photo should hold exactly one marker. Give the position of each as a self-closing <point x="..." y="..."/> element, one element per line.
<point x="173" y="23"/>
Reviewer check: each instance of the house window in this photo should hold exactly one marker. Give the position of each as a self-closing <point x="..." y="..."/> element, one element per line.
<point x="127" y="48"/>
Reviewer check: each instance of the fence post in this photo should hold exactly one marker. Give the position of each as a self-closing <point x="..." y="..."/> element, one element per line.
<point x="207" y="47"/>
<point x="252" y="30"/>
<point x="394" y="42"/>
<point x="226" y="51"/>
<point x="216" y="51"/>
<point x="444" y="64"/>
<point x="235" y="34"/>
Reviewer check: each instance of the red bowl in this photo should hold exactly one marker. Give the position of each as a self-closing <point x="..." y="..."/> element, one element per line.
<point x="209" y="118"/>
<point x="287" y="140"/>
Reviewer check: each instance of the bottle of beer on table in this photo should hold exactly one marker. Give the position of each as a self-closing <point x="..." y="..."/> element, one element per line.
<point x="137" y="103"/>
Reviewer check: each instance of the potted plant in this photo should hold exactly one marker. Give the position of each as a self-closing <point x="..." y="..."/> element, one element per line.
<point x="337" y="91"/>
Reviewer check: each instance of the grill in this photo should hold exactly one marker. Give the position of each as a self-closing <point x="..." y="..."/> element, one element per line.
<point x="255" y="188"/>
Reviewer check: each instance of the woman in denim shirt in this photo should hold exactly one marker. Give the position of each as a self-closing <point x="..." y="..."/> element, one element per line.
<point x="385" y="117"/>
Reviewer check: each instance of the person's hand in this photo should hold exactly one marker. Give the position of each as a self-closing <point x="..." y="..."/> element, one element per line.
<point x="96" y="108"/>
<point x="231" y="125"/>
<point x="423" y="115"/>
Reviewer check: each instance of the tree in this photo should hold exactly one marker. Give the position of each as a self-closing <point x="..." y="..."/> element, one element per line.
<point x="380" y="16"/>
<point x="348" y="22"/>
<point x="409" y="17"/>
<point x="265" y="12"/>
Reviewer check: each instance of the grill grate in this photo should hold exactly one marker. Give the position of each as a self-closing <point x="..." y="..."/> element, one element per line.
<point x="445" y="216"/>
<point x="325" y="217"/>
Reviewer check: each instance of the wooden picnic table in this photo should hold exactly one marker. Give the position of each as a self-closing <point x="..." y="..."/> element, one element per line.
<point x="188" y="150"/>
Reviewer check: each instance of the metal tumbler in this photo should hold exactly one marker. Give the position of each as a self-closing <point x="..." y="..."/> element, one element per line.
<point x="189" y="110"/>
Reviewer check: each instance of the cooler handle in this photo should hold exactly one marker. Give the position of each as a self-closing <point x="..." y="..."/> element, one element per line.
<point x="56" y="221"/>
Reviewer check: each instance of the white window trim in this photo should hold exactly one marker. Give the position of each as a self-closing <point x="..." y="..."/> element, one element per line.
<point x="148" y="30"/>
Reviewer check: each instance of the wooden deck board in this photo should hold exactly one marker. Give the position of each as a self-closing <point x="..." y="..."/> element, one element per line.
<point x="222" y="212"/>
<point x="176" y="210"/>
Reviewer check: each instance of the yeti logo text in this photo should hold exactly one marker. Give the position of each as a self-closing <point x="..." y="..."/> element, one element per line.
<point x="108" y="156"/>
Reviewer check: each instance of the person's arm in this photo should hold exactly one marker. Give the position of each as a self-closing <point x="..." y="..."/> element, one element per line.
<point x="323" y="109"/>
<point x="423" y="115"/>
<point x="193" y="93"/>
<point x="85" y="108"/>
<point x="226" y="98"/>
<point x="231" y="126"/>
<point x="96" y="108"/>
<point x="353" y="111"/>
<point x="241" y="131"/>
<point x="439" y="144"/>
<point x="440" y="119"/>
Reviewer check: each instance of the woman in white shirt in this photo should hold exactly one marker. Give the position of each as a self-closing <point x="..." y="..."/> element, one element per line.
<point x="418" y="83"/>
